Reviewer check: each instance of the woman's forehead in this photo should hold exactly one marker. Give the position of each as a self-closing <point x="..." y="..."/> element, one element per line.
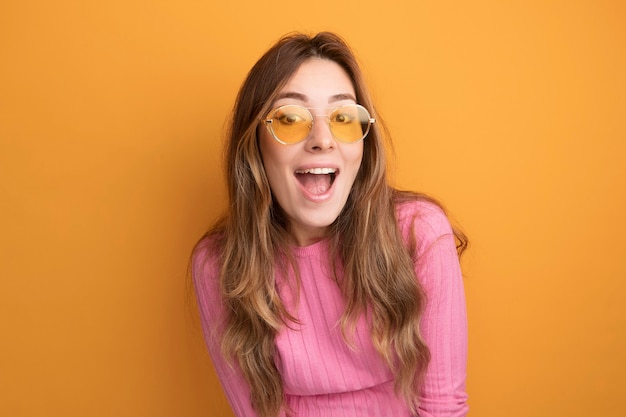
<point x="318" y="81"/>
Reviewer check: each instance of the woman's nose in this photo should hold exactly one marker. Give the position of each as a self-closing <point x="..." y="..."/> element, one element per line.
<point x="320" y="138"/>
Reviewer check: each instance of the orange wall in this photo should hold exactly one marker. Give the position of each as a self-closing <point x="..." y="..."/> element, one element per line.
<point x="110" y="126"/>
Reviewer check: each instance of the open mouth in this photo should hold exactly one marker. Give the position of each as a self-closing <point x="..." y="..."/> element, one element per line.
<point x="316" y="181"/>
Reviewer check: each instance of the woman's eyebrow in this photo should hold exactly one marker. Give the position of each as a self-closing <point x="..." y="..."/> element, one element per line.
<point x="303" y="98"/>
<point x="340" y="97"/>
<point x="290" y="94"/>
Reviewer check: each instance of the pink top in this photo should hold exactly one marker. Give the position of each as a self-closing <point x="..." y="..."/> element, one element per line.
<point x="322" y="376"/>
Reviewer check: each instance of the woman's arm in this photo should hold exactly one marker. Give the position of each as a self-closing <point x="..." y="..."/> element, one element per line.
<point x="205" y="273"/>
<point x="444" y="321"/>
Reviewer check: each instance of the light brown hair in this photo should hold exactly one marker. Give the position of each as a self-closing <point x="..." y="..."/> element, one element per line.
<point x="252" y="237"/>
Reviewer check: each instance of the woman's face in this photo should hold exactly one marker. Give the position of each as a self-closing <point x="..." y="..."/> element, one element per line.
<point x="311" y="180"/>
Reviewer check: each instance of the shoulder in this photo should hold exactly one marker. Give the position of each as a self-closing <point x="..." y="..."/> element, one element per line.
<point x="205" y="266"/>
<point x="422" y="222"/>
<point x="206" y="252"/>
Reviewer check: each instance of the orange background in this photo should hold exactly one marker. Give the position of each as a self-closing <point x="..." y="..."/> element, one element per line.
<point x="111" y="116"/>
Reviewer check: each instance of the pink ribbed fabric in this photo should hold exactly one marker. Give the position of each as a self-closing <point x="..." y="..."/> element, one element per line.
<point x="322" y="375"/>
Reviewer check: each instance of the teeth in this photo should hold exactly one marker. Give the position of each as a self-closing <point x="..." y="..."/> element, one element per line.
<point x="316" y="171"/>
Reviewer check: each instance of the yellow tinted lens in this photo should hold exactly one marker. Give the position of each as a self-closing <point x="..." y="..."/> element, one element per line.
<point x="350" y="123"/>
<point x="291" y="124"/>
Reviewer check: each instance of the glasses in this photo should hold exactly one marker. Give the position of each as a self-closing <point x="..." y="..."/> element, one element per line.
<point x="292" y="124"/>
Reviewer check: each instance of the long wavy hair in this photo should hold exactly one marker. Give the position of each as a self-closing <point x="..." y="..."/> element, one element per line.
<point x="252" y="239"/>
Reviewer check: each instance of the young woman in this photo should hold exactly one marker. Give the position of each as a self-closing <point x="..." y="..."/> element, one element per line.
<point x="322" y="290"/>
